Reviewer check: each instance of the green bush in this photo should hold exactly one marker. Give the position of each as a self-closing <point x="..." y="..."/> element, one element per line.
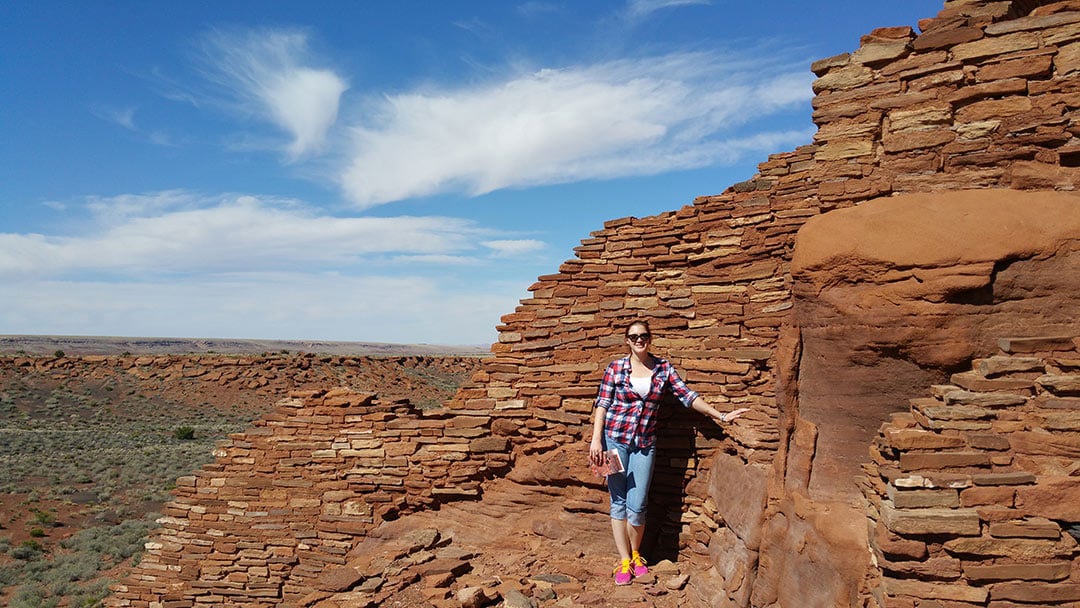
<point x="29" y="549"/>
<point x="58" y="354"/>
<point x="111" y="544"/>
<point x="184" y="433"/>
<point x="37" y="532"/>
<point x="32" y="596"/>
<point x="43" y="518"/>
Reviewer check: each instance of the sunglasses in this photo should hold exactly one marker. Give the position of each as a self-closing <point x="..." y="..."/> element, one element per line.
<point x="638" y="337"/>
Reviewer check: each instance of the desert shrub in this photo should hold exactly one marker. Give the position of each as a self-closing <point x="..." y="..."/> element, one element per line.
<point x="31" y="595"/>
<point x="7" y="406"/>
<point x="43" y="518"/>
<point x="37" y="532"/>
<point x="184" y="433"/>
<point x="91" y="594"/>
<point x="74" y="577"/>
<point x="29" y="549"/>
<point x="58" y="354"/>
<point x="112" y="544"/>
<point x="60" y="574"/>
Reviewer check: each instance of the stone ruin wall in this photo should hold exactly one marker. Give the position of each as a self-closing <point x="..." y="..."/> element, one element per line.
<point x="972" y="490"/>
<point x="285" y="501"/>
<point x="986" y="95"/>
<point x="271" y="374"/>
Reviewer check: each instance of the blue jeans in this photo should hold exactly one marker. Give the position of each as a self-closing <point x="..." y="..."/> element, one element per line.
<point x="630" y="489"/>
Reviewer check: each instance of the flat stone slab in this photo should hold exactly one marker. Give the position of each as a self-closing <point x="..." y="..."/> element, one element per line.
<point x="961" y="522"/>
<point x="1060" y="384"/>
<point x="936" y="591"/>
<point x="1010" y="478"/>
<point x="976" y="381"/>
<point x="956" y="412"/>
<point x="919" y="461"/>
<point x="1033" y="345"/>
<point x="922" y="499"/>
<point x="984" y="399"/>
<point x="997" y="365"/>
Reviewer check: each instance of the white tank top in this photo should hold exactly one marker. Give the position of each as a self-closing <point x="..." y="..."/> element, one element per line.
<point x="641" y="386"/>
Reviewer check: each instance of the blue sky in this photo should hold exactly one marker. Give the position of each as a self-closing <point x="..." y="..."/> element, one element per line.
<point x="389" y="172"/>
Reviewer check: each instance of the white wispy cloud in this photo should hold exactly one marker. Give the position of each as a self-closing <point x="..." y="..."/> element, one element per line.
<point x="271" y="73"/>
<point x="475" y="25"/>
<point x="639" y="9"/>
<point x="437" y="259"/>
<point x="182" y="263"/>
<point x="184" y="232"/>
<point x="512" y="247"/>
<point x="621" y="118"/>
<point x="535" y="7"/>
<point x="125" y="117"/>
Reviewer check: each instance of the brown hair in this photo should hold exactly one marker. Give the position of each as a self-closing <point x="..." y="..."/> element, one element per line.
<point x="637" y="322"/>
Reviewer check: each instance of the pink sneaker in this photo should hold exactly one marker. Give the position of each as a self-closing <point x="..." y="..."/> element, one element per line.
<point x="624" y="574"/>
<point x="637" y="563"/>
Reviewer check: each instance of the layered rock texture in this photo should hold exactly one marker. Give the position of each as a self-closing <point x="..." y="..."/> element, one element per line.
<point x="897" y="292"/>
<point x="973" y="491"/>
<point x="924" y="247"/>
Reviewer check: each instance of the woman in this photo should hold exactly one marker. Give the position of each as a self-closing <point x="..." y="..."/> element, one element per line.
<point x="625" y="420"/>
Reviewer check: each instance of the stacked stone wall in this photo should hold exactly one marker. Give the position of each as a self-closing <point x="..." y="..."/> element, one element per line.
<point x="268" y="374"/>
<point x="972" y="492"/>
<point x="286" y="500"/>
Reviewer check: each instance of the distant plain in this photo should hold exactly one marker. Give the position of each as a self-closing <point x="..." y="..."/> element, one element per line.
<point x="115" y="345"/>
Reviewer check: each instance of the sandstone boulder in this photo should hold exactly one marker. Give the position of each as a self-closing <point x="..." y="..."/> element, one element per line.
<point x="898" y="293"/>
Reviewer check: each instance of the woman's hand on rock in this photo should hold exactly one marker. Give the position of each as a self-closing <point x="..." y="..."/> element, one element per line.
<point x="734" y="414"/>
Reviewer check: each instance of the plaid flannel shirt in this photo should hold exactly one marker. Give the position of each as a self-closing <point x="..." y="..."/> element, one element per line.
<point x="631" y="419"/>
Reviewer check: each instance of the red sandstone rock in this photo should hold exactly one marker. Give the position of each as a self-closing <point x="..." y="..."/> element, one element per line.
<point x="808" y="541"/>
<point x="338" y="579"/>
<point x="943" y="238"/>
<point x="944" y="38"/>
<point x="1057" y="499"/>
